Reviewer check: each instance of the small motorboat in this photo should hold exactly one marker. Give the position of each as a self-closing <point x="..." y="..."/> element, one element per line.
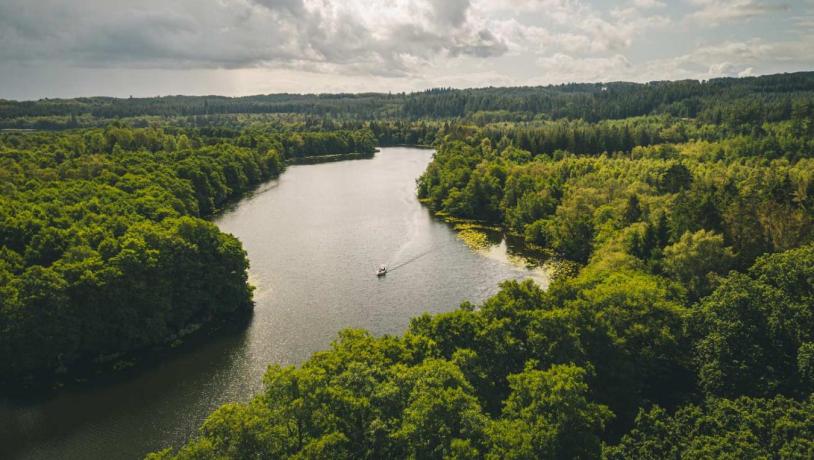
<point x="381" y="271"/>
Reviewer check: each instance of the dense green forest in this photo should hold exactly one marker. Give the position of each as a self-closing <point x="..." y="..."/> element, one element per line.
<point x="104" y="250"/>
<point x="679" y="325"/>
<point x="653" y="198"/>
<point x="728" y="100"/>
<point x="680" y="215"/>
<point x="612" y="362"/>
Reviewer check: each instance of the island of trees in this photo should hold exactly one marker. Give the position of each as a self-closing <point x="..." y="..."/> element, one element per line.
<point x="679" y="324"/>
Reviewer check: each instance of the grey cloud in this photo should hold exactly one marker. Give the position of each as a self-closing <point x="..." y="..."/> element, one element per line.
<point x="61" y="45"/>
<point x="140" y="36"/>
<point x="484" y="44"/>
<point x="451" y="12"/>
<point x="235" y="34"/>
<point x="290" y="6"/>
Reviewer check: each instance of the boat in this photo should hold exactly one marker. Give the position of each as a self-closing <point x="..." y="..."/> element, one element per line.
<point x="381" y="271"/>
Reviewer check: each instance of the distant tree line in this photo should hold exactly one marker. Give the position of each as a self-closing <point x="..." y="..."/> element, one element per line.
<point x="725" y="100"/>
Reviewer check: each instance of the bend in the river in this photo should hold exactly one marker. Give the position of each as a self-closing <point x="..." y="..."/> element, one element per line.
<point x="315" y="237"/>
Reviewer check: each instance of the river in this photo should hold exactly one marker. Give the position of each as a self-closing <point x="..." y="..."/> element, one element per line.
<point x="314" y="237"/>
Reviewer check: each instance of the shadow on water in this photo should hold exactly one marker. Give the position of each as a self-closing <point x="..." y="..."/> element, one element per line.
<point x="26" y="422"/>
<point x="92" y="395"/>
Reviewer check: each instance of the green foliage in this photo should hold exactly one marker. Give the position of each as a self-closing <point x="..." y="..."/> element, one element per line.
<point x="694" y="257"/>
<point x="737" y="104"/>
<point x="755" y="331"/>
<point x="701" y="216"/>
<point x="555" y="374"/>
<point x="548" y="415"/>
<point x="722" y="428"/>
<point x="103" y="247"/>
<point x="655" y="190"/>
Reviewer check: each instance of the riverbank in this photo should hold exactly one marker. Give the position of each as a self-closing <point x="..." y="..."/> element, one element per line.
<point x="411" y="146"/>
<point x="105" y="369"/>
<point x="499" y="243"/>
<point x="316" y="159"/>
<point x="99" y="369"/>
<point x="314" y="238"/>
<point x="119" y="365"/>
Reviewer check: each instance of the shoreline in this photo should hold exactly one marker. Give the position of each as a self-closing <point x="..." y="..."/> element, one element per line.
<point x="317" y="159"/>
<point x="106" y="369"/>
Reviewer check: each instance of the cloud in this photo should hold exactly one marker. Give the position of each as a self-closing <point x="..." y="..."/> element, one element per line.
<point x="331" y="35"/>
<point x="354" y="37"/>
<point x="716" y="11"/>
<point x="450" y="12"/>
<point x="648" y="4"/>
<point x="321" y="45"/>
<point x="723" y="59"/>
<point x="747" y="72"/>
<point x="572" y="26"/>
<point x="734" y="59"/>
<point x="804" y="22"/>
<point x="562" y="67"/>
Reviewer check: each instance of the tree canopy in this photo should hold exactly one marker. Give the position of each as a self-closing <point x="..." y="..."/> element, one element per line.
<point x="681" y="324"/>
<point x="104" y="247"/>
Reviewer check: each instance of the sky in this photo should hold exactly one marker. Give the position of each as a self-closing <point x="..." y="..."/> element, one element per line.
<point x="71" y="48"/>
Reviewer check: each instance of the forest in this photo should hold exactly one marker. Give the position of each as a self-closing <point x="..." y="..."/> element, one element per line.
<point x="679" y="322"/>
<point x="678" y="325"/>
<point x="611" y="364"/>
<point x="105" y="244"/>
<point x="721" y="100"/>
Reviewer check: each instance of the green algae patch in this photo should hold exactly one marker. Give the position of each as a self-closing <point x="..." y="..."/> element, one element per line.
<point x="473" y="238"/>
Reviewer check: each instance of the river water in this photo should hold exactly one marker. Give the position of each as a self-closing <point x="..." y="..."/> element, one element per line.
<point x="314" y="237"/>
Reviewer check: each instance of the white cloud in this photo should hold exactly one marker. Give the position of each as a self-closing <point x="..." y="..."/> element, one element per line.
<point x="648" y="4"/>
<point x="732" y="59"/>
<point x="725" y="59"/>
<point x="747" y="72"/>
<point x="714" y="12"/>
<point x="355" y="37"/>
<point x="562" y="67"/>
<point x="573" y="26"/>
<point x="805" y="22"/>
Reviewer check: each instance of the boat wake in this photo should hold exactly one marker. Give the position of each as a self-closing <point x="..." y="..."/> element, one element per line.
<point x="411" y="260"/>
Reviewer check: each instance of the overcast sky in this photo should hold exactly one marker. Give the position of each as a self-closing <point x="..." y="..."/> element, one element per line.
<point x="52" y="48"/>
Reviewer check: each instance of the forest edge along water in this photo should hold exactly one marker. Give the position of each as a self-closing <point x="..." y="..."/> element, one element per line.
<point x="106" y="368"/>
<point x="313" y="236"/>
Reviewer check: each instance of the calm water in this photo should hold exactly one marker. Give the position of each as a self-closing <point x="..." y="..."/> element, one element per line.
<point x="314" y="238"/>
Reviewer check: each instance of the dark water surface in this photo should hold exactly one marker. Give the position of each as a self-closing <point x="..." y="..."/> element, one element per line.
<point x="314" y="238"/>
